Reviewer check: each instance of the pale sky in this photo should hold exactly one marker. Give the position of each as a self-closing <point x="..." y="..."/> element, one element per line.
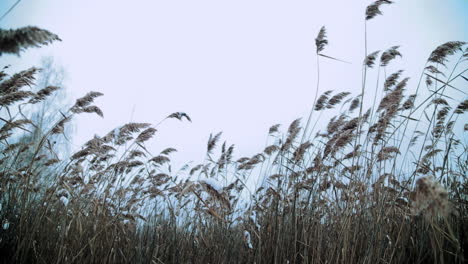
<point x="233" y="66"/>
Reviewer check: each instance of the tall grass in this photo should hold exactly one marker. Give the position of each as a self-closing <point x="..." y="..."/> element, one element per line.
<point x="382" y="185"/>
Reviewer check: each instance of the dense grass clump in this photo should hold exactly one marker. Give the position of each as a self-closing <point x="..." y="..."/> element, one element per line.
<point x="379" y="183"/>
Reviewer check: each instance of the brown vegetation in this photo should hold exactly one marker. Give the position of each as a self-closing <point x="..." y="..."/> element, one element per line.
<point x="378" y="186"/>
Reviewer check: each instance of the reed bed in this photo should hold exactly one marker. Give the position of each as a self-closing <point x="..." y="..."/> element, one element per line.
<point x="379" y="183"/>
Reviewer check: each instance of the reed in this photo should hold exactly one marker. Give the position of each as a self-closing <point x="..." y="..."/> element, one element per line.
<point x="375" y="186"/>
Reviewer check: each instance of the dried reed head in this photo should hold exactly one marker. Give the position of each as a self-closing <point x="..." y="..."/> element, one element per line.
<point x="409" y="103"/>
<point x="321" y="40"/>
<point x="168" y="151"/>
<point x="336" y="123"/>
<point x="440" y="54"/>
<point x="271" y="149"/>
<point x="392" y="80"/>
<point x="300" y="151"/>
<point x="215" y="192"/>
<point x="85" y="100"/>
<point x="60" y="126"/>
<point x="369" y="61"/>
<point x="43" y="93"/>
<point x="462" y="107"/>
<point x="430" y="198"/>
<point x="433" y="69"/>
<point x="389" y="55"/>
<point x="14" y="41"/>
<point x="321" y="101"/>
<point x="160" y="159"/>
<point x="374" y="9"/>
<point x="179" y="116"/>
<point x="293" y="132"/>
<point x="6" y="129"/>
<point x="145" y="135"/>
<point x="212" y="142"/>
<point x="386" y="153"/>
<point x="393" y="99"/>
<point x="14" y="97"/>
<point x="18" y="80"/>
<point x="91" y="109"/>
<point x="355" y="103"/>
<point x="273" y="129"/>
<point x="336" y="99"/>
<point x="195" y="169"/>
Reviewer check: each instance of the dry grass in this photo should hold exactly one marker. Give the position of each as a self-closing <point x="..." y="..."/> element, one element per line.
<point x="378" y="186"/>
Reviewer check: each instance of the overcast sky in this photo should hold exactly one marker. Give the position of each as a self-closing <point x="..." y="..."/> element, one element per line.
<point x="233" y="66"/>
